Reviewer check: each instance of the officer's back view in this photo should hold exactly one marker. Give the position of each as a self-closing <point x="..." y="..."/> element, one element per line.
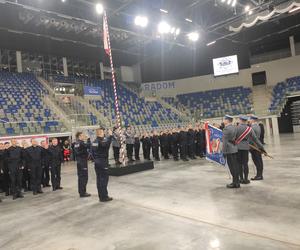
<point x="100" y="148"/>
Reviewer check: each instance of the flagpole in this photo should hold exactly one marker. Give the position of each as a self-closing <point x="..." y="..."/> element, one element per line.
<point x="108" y="50"/>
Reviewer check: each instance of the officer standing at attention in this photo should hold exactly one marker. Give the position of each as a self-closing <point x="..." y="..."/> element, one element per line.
<point x="56" y="159"/>
<point x="129" y="135"/>
<point x="100" y="149"/>
<point x="15" y="162"/>
<point x="116" y="144"/>
<point x="33" y="156"/>
<point x="183" y="144"/>
<point x="230" y="150"/>
<point x="244" y="135"/>
<point x="45" y="165"/>
<point x="137" y="145"/>
<point x="191" y="142"/>
<point x="155" y="145"/>
<point x="146" y="145"/>
<point x="81" y="152"/>
<point x="175" y="142"/>
<point x="256" y="156"/>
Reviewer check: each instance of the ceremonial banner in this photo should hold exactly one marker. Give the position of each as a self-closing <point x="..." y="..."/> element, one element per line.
<point x="214" y="144"/>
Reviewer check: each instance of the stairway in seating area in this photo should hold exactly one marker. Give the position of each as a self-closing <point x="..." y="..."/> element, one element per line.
<point x="261" y="99"/>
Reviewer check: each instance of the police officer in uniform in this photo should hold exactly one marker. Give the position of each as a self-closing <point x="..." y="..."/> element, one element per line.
<point x="243" y="147"/>
<point x="15" y="162"/>
<point x="164" y="145"/>
<point x="2" y="152"/>
<point x="256" y="156"/>
<point x="81" y="152"/>
<point x="129" y="135"/>
<point x="183" y="144"/>
<point x="230" y="150"/>
<point x="175" y="142"/>
<point x="137" y="145"/>
<point x="5" y="170"/>
<point x="45" y="165"/>
<point x="146" y="145"/>
<point x="100" y="149"/>
<point x="56" y="159"/>
<point x="116" y="144"/>
<point x="155" y="145"/>
<point x="191" y="142"/>
<point x="33" y="156"/>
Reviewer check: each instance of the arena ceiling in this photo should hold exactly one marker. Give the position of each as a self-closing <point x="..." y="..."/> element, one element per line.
<point x="73" y="28"/>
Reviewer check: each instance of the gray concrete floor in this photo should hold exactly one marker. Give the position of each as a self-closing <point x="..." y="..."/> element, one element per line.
<point x="176" y="206"/>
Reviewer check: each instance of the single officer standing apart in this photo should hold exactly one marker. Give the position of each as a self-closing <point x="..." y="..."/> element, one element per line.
<point x="244" y="135"/>
<point x="81" y="153"/>
<point x="34" y="156"/>
<point x="230" y="150"/>
<point x="256" y="156"/>
<point x="100" y="149"/>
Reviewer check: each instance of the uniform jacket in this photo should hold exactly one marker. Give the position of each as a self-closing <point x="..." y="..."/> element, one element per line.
<point x="229" y="137"/>
<point x="81" y="149"/>
<point x="251" y="137"/>
<point x="129" y="137"/>
<point x="14" y="157"/>
<point x="56" y="156"/>
<point x="100" y="147"/>
<point x="116" y="140"/>
<point x="34" y="156"/>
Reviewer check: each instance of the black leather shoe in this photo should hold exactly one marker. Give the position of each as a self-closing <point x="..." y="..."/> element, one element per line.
<point x="85" y="195"/>
<point x="20" y="196"/>
<point x="59" y="188"/>
<point x="48" y="185"/>
<point x="14" y="197"/>
<point x="54" y="189"/>
<point x="34" y="193"/>
<point x="40" y="192"/>
<point x="257" y="178"/>
<point x="107" y="199"/>
<point x="233" y="185"/>
<point x="246" y="182"/>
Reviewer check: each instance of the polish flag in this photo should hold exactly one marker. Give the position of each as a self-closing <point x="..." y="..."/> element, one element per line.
<point x="105" y="35"/>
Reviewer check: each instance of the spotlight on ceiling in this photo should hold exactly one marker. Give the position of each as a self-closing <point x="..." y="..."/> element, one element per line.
<point x="164" y="11"/>
<point x="229" y="2"/>
<point x="223" y="1"/>
<point x="189" y="20"/>
<point x="63" y="1"/>
<point x="193" y="36"/>
<point x="141" y="21"/>
<point x="234" y="3"/>
<point x="211" y="43"/>
<point x="247" y="8"/>
<point x="250" y="12"/>
<point x="177" y="32"/>
<point x="164" y="28"/>
<point x="99" y="8"/>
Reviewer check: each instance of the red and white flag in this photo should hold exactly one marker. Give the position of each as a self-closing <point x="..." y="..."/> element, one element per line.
<point x="105" y="34"/>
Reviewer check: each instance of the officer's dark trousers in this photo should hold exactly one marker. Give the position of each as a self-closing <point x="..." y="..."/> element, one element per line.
<point x="233" y="167"/>
<point x="15" y="175"/>
<point x="165" y="151"/>
<point x="175" y="151"/>
<point x="6" y="180"/>
<point x="146" y="152"/>
<point x="101" y="169"/>
<point x="35" y="178"/>
<point x="82" y="173"/>
<point x="137" y="151"/>
<point x="26" y="179"/>
<point x="191" y="150"/>
<point x="45" y="175"/>
<point x="55" y="176"/>
<point x="243" y="158"/>
<point x="183" y="151"/>
<point x="116" y="153"/>
<point x="258" y="162"/>
<point x="155" y="152"/>
<point x="129" y="149"/>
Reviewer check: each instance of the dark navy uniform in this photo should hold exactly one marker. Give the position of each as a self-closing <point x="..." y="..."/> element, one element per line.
<point x="191" y="143"/>
<point x="81" y="153"/>
<point x="175" y="146"/>
<point x="46" y="168"/>
<point x="116" y="144"/>
<point x="137" y="145"/>
<point x="56" y="159"/>
<point x="5" y="173"/>
<point x="230" y="152"/>
<point x="183" y="145"/>
<point x="15" y="162"/>
<point x="164" y="145"/>
<point x="100" y="149"/>
<point x="129" y="135"/>
<point x="146" y="144"/>
<point x="2" y="170"/>
<point x="155" y="147"/>
<point x="33" y="156"/>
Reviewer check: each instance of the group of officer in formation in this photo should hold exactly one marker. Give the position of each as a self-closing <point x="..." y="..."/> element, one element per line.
<point x="29" y="167"/>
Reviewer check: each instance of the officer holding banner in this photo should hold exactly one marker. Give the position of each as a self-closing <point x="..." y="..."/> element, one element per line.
<point x="230" y="150"/>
